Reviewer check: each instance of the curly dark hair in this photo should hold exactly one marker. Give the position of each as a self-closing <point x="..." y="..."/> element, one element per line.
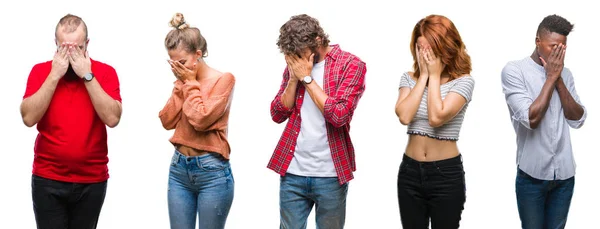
<point x="556" y="24"/>
<point x="299" y="33"/>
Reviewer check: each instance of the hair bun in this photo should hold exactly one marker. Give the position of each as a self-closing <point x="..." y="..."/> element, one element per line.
<point x="178" y="21"/>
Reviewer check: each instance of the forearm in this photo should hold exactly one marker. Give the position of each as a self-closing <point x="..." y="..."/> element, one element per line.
<point x="107" y="108"/>
<point x="538" y="108"/>
<point x="571" y="109"/>
<point x="288" y="97"/>
<point x="435" y="105"/>
<point x="407" y="108"/>
<point x="317" y="95"/>
<point x="34" y="107"/>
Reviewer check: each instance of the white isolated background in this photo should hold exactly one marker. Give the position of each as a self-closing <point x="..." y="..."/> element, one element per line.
<point x="241" y="39"/>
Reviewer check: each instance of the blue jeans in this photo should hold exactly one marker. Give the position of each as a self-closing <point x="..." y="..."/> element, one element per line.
<point x="298" y="194"/>
<point x="543" y="203"/>
<point x="200" y="185"/>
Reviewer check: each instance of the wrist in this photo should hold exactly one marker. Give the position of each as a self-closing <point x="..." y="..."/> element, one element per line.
<point x="54" y="77"/>
<point x="434" y="77"/>
<point x="552" y="77"/>
<point x="185" y="81"/>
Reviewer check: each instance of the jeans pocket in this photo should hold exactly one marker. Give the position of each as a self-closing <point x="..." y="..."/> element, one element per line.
<point x="451" y="171"/>
<point x="213" y="165"/>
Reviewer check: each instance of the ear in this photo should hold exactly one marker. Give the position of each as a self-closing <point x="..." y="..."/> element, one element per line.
<point x="199" y="54"/>
<point x="537" y="41"/>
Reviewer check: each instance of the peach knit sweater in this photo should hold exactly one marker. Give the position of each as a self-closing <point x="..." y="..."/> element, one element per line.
<point x="199" y="113"/>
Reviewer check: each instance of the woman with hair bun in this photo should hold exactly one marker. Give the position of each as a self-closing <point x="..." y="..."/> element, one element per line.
<point x="200" y="178"/>
<point x="432" y="102"/>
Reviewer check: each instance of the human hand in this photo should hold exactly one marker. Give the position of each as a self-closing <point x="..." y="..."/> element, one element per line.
<point x="181" y="72"/>
<point x="60" y="62"/>
<point x="555" y="63"/>
<point x="434" y="64"/>
<point x="299" y="67"/>
<point x="422" y="64"/>
<point x="80" y="60"/>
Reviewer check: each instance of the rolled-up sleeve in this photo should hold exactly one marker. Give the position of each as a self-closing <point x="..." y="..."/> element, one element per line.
<point x="516" y="94"/>
<point x="576" y="124"/>
<point x="339" y="107"/>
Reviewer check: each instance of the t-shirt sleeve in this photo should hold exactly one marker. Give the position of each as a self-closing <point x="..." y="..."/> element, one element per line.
<point x="404" y="81"/>
<point x="34" y="81"/>
<point x="464" y="87"/>
<point x="110" y="83"/>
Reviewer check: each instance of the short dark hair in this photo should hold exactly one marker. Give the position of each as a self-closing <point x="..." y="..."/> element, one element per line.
<point x="555" y="24"/>
<point x="69" y="23"/>
<point x="301" y="32"/>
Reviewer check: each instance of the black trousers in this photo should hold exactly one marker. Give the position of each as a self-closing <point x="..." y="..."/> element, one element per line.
<point x="431" y="191"/>
<point x="63" y="205"/>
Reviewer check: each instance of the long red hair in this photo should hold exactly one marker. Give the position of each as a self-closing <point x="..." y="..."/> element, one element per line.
<point x="445" y="41"/>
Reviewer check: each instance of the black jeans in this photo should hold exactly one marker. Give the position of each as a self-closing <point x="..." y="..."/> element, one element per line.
<point x="63" y="205"/>
<point x="431" y="190"/>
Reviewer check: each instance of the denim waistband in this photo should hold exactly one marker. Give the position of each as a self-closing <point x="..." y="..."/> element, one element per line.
<point x="179" y="157"/>
<point x="450" y="161"/>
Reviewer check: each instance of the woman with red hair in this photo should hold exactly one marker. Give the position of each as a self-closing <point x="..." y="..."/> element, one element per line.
<point x="432" y="102"/>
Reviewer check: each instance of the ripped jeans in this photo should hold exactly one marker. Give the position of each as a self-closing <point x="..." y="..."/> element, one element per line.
<point x="199" y="186"/>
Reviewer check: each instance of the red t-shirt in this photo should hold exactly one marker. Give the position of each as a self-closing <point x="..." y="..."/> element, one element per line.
<point x="71" y="145"/>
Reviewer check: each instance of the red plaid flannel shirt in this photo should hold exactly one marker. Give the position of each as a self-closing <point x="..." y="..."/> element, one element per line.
<point x="344" y="83"/>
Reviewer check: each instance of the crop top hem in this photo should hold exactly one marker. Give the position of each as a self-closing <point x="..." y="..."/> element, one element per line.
<point x="414" y="132"/>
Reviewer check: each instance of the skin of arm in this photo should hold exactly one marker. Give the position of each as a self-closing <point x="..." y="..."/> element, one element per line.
<point x="571" y="109"/>
<point x="108" y="109"/>
<point x="34" y="107"/>
<point x="288" y="97"/>
<point x="337" y="108"/>
<point x="409" y="100"/>
<point x="280" y="110"/>
<point x="439" y="111"/>
<point x="553" y="68"/>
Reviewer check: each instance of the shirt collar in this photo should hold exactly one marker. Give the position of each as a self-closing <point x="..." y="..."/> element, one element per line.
<point x="335" y="52"/>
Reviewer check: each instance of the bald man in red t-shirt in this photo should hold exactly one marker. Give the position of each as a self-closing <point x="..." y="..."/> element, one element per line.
<point x="71" y="99"/>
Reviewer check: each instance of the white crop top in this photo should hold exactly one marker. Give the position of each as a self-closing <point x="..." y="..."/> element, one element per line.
<point x="449" y="131"/>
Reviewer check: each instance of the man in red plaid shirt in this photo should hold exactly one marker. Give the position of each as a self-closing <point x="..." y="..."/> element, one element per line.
<point x="315" y="156"/>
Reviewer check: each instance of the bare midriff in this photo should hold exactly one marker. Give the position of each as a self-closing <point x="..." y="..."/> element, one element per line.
<point x="190" y="152"/>
<point x="422" y="148"/>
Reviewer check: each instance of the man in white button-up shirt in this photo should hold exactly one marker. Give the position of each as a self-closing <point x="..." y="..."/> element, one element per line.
<point x="543" y="104"/>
